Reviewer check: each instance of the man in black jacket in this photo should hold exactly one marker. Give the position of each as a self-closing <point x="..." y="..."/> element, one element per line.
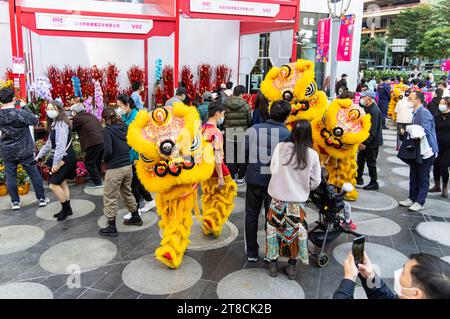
<point x="90" y="131"/>
<point x="17" y="147"/>
<point x="260" y="142"/>
<point x="423" y="276"/>
<point x="368" y="150"/>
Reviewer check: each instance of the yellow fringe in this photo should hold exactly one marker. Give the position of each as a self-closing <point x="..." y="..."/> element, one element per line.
<point x="217" y="204"/>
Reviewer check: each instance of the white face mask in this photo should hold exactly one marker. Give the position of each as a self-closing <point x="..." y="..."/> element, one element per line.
<point x="120" y="111"/>
<point x="52" y="114"/>
<point x="443" y="108"/>
<point x="397" y="286"/>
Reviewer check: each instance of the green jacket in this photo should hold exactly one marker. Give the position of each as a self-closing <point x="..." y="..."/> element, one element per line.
<point x="237" y="113"/>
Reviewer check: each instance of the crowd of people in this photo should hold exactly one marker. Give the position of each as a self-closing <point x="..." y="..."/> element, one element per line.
<point x="279" y="168"/>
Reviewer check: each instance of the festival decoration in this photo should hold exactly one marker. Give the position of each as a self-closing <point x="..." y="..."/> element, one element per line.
<point x="158" y="70"/>
<point x="159" y="95"/>
<point x="66" y="78"/>
<point x="223" y="75"/>
<point x="85" y="76"/>
<point x="295" y="83"/>
<point x="54" y="76"/>
<point x="77" y="86"/>
<point x="167" y="77"/>
<point x="397" y="94"/>
<point x="251" y="99"/>
<point x="174" y="160"/>
<point x="97" y="74"/>
<point x="136" y="73"/>
<point x="111" y="85"/>
<point x="336" y="137"/>
<point x="204" y="75"/>
<point x="188" y="79"/>
<point x="88" y="106"/>
<point x="40" y="96"/>
<point x="98" y="99"/>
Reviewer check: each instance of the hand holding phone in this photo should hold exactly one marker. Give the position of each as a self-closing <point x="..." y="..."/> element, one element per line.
<point x="358" y="249"/>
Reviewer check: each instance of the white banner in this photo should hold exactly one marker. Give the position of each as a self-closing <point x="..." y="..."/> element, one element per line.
<point x="66" y="22"/>
<point x="256" y="9"/>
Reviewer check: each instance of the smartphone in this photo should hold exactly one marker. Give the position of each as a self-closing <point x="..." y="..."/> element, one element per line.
<point x="358" y="249"/>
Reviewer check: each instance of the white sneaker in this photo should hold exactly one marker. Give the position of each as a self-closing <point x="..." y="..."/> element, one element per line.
<point x="15" y="205"/>
<point x="406" y="203"/>
<point x="128" y="216"/>
<point x="416" y="207"/>
<point x="44" y="201"/>
<point x="147" y="207"/>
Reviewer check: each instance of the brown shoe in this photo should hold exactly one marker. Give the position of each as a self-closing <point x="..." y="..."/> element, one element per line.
<point x="436" y="188"/>
<point x="444" y="192"/>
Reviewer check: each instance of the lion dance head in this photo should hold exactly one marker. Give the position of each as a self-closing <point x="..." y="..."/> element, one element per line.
<point x="337" y="135"/>
<point x="295" y="83"/>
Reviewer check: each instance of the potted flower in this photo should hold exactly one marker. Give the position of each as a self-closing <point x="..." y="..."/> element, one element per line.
<point x="23" y="181"/>
<point x="81" y="173"/>
<point x="3" y="189"/>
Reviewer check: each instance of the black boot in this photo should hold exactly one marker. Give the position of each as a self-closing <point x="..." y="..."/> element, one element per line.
<point x="60" y="212"/>
<point x="64" y="212"/>
<point x="69" y="208"/>
<point x="359" y="181"/>
<point x="135" y="220"/>
<point x="273" y="271"/>
<point x="110" y="229"/>
<point x="290" y="271"/>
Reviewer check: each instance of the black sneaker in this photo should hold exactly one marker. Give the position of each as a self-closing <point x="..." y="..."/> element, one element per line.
<point x="359" y="181"/>
<point x="371" y="187"/>
<point x="110" y="229"/>
<point x="135" y="220"/>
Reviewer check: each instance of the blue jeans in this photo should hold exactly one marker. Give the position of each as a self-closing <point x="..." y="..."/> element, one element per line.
<point x="419" y="180"/>
<point x="29" y="165"/>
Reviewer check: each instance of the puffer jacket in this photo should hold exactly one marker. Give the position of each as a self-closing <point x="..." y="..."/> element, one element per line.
<point x="237" y="113"/>
<point x="16" y="142"/>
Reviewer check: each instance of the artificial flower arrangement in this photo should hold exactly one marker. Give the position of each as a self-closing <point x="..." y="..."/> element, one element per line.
<point x="23" y="181"/>
<point x="40" y="96"/>
<point x="3" y="189"/>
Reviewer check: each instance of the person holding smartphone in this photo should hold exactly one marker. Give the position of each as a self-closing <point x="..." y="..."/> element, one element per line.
<point x="423" y="276"/>
<point x="17" y="147"/>
<point x="62" y="160"/>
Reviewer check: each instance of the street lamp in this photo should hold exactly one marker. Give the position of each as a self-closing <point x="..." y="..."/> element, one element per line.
<point x="336" y="9"/>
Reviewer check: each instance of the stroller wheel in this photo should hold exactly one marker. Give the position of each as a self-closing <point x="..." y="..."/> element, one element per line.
<point x="322" y="260"/>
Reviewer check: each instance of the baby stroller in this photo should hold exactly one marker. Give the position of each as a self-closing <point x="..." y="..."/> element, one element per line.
<point x="330" y="201"/>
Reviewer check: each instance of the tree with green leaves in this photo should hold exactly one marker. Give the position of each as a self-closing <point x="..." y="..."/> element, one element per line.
<point x="373" y="48"/>
<point x="436" y="43"/>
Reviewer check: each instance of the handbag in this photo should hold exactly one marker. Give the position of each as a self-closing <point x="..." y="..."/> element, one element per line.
<point x="410" y="150"/>
<point x="49" y="161"/>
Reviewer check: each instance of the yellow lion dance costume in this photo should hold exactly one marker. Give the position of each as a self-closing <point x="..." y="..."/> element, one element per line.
<point x="336" y="138"/>
<point x="397" y="95"/>
<point x="295" y="83"/>
<point x="174" y="160"/>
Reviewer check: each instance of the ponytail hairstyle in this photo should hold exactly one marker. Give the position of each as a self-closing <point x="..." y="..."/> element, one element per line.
<point x="110" y="116"/>
<point x="125" y="99"/>
<point x="301" y="136"/>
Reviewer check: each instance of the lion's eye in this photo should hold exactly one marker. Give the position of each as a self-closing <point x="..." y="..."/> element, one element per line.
<point x="145" y="159"/>
<point x="196" y="143"/>
<point x="311" y="90"/>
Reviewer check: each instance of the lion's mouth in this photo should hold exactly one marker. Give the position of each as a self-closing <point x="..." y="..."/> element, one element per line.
<point x="174" y="167"/>
<point x="300" y="106"/>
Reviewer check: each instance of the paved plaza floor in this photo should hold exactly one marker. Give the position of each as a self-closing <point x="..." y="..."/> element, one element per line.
<point x="40" y="257"/>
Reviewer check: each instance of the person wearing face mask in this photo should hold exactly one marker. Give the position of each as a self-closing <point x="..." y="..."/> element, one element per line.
<point x="419" y="182"/>
<point x="433" y="106"/>
<point x="90" y="132"/>
<point x="368" y="150"/>
<point x="128" y="112"/>
<point x="404" y="110"/>
<point x="423" y="276"/>
<point x="442" y="162"/>
<point x="62" y="160"/>
<point x="17" y="147"/>
<point x="260" y="142"/>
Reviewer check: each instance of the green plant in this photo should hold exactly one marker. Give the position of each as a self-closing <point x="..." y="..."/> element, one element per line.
<point x="22" y="176"/>
<point x="2" y="173"/>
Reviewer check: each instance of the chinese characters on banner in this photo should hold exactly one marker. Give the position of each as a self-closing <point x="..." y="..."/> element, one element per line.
<point x="344" y="52"/>
<point x="323" y="40"/>
<point x="18" y="65"/>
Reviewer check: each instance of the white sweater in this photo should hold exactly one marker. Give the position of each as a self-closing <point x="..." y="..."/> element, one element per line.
<point x="289" y="184"/>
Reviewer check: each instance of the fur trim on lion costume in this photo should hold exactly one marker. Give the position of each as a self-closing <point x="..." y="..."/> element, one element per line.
<point x="336" y="138"/>
<point x="174" y="160"/>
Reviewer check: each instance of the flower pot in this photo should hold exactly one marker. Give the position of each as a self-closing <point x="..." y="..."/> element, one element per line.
<point x="80" y="180"/>
<point x="23" y="189"/>
<point x="3" y="190"/>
